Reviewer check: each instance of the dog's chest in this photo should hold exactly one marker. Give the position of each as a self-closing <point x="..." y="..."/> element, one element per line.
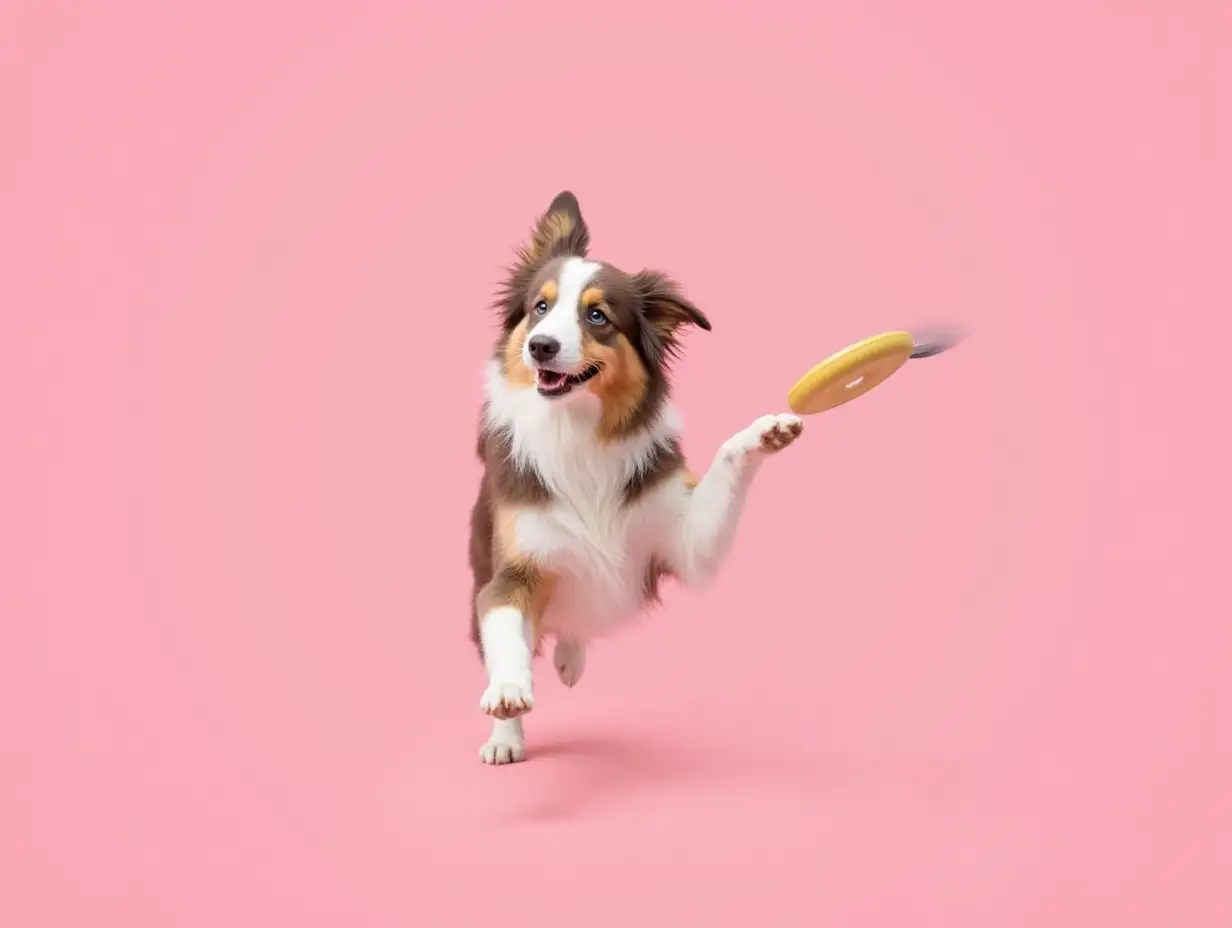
<point x="596" y="544"/>
<point x="598" y="553"/>
<point x="587" y="525"/>
<point x="593" y="535"/>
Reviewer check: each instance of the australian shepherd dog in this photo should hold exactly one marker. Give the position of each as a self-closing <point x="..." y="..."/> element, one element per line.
<point x="586" y="501"/>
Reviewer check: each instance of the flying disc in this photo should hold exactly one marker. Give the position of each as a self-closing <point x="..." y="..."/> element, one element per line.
<point x="850" y="373"/>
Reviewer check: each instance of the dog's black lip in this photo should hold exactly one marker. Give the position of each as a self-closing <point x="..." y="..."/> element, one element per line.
<point x="585" y="375"/>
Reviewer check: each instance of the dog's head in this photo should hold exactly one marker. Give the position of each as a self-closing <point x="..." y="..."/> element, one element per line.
<point x="574" y="327"/>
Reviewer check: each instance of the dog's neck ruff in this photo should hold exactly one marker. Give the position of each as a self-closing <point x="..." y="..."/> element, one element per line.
<point x="559" y="440"/>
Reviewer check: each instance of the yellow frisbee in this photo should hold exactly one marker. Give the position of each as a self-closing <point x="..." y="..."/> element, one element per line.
<point x="850" y="373"/>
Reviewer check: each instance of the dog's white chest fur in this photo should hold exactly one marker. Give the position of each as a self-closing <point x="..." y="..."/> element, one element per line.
<point x="597" y="547"/>
<point x="599" y="556"/>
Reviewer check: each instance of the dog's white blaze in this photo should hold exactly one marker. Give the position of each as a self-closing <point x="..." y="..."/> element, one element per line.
<point x="562" y="322"/>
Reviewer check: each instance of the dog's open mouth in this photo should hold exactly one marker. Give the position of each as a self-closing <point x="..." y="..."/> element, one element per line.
<point x="556" y="383"/>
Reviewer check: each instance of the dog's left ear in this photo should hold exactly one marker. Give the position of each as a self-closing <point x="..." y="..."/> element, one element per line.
<point x="664" y="307"/>
<point x="560" y="231"/>
<point x="664" y="310"/>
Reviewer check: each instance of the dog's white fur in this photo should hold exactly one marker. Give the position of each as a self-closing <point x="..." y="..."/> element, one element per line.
<point x="597" y="548"/>
<point x="562" y="322"/>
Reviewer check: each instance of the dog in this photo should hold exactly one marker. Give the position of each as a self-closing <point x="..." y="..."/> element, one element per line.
<point x="586" y="502"/>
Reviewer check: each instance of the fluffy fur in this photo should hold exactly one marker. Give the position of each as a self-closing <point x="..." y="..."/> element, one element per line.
<point x="586" y="502"/>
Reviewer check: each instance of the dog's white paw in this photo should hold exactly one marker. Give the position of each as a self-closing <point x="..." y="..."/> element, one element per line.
<point x="506" y="700"/>
<point x="569" y="658"/>
<point x="767" y="435"/>
<point x="507" y="744"/>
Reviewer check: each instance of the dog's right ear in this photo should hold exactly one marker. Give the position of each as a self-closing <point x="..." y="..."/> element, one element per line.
<point x="560" y="231"/>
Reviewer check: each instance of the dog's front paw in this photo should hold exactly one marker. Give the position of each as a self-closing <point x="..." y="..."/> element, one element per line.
<point x="506" y="746"/>
<point x="506" y="700"/>
<point x="774" y="433"/>
<point x="767" y="435"/>
<point x="569" y="658"/>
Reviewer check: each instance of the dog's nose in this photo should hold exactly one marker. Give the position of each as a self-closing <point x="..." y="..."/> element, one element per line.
<point x="543" y="347"/>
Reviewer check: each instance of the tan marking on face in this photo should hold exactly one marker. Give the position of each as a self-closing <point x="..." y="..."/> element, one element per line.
<point x="592" y="297"/>
<point x="691" y="480"/>
<point x="549" y="291"/>
<point x="620" y="383"/>
<point x="514" y="368"/>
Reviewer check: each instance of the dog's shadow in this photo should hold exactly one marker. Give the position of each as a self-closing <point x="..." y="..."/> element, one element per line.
<point x="587" y="773"/>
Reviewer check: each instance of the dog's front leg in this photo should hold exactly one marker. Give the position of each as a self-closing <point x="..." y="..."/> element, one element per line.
<point x="507" y="635"/>
<point x="712" y="513"/>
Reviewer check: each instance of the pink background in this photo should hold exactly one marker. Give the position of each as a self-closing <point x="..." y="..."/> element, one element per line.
<point x="969" y="663"/>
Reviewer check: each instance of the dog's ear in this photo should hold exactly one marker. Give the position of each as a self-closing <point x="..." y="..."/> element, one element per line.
<point x="664" y="311"/>
<point x="560" y="231"/>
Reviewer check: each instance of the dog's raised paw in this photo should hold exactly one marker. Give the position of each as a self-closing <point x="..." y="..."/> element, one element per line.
<point x="777" y="432"/>
<point x="768" y="434"/>
<point x="503" y="700"/>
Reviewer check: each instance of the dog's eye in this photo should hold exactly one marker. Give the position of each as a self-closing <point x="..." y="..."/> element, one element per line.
<point x="596" y="316"/>
<point x="541" y="307"/>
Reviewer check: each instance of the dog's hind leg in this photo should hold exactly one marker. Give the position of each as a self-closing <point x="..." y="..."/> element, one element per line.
<point x="569" y="658"/>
